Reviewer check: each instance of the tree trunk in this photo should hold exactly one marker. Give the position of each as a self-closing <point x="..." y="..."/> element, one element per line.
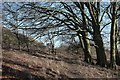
<point x="85" y="44"/>
<point x="87" y="56"/>
<point x="80" y="41"/>
<point x="112" y="47"/>
<point x="113" y="39"/>
<point x="117" y="57"/>
<point x="86" y="47"/>
<point x="100" y="51"/>
<point x="19" y="41"/>
<point x="116" y="45"/>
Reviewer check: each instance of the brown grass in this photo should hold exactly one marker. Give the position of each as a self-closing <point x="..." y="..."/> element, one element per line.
<point x="24" y="66"/>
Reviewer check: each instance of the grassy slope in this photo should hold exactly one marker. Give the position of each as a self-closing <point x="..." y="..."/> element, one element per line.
<point x="24" y="66"/>
<point x="43" y="65"/>
<point x="10" y="40"/>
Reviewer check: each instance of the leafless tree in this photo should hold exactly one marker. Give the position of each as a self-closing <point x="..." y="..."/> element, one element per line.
<point x="79" y="18"/>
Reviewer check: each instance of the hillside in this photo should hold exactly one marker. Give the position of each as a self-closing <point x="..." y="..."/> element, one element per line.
<point x="15" y="40"/>
<point x="40" y="65"/>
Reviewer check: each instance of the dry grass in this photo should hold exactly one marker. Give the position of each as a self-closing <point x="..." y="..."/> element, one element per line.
<point x="22" y="66"/>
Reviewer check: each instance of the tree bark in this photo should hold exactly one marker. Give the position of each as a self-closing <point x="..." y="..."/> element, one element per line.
<point x="116" y="46"/>
<point x="86" y="48"/>
<point x="100" y="51"/>
<point x="19" y="41"/>
<point x="117" y="57"/>
<point x="113" y="41"/>
<point x="95" y="16"/>
<point x="86" y="42"/>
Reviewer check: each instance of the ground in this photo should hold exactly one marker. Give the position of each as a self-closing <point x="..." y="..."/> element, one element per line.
<point x="20" y="65"/>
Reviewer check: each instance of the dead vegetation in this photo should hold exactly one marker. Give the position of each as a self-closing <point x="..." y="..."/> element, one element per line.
<point x="42" y="66"/>
<point x="39" y="64"/>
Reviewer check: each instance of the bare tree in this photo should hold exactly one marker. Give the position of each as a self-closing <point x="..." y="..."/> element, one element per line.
<point x="66" y="19"/>
<point x="51" y="44"/>
<point x="114" y="35"/>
